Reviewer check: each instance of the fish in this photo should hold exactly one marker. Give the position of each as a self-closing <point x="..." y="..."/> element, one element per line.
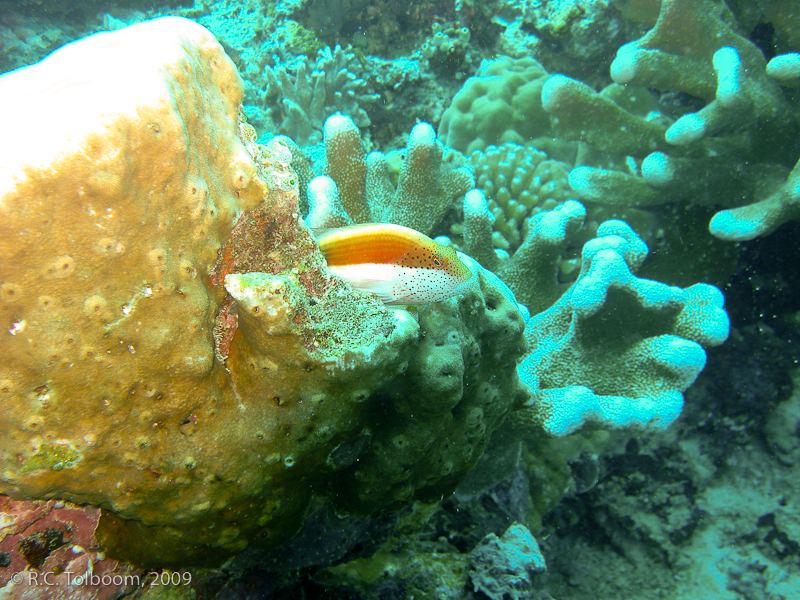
<point x="396" y="263"/>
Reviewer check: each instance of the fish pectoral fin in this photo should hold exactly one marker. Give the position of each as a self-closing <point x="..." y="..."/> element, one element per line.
<point x="377" y="279"/>
<point x="385" y="297"/>
<point x="382" y="289"/>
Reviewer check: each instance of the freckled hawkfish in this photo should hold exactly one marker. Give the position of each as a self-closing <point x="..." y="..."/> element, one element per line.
<point x="397" y="264"/>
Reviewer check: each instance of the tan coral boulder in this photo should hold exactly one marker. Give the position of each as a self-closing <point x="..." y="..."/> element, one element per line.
<point x="173" y="348"/>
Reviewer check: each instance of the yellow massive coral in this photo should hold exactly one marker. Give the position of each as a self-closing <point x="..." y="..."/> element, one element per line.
<point x="173" y="347"/>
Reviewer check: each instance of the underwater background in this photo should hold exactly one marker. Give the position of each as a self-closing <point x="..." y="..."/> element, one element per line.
<point x="610" y="430"/>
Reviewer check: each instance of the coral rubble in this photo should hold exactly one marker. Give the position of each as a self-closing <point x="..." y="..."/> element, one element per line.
<point x="49" y="551"/>
<point x="503" y="567"/>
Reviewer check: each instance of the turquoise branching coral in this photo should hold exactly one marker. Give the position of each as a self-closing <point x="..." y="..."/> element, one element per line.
<point x="735" y="152"/>
<point x="504" y="227"/>
<point x="298" y="102"/>
<point x="637" y="150"/>
<point x="361" y="189"/>
<point x="617" y="350"/>
<point x="532" y="272"/>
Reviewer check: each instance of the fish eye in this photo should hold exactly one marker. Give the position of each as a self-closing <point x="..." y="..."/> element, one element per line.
<point x="437" y="262"/>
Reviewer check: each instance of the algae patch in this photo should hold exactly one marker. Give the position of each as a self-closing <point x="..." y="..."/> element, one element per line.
<point x="53" y="457"/>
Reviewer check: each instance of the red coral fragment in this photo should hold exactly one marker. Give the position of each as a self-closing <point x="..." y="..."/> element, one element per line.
<point x="48" y="546"/>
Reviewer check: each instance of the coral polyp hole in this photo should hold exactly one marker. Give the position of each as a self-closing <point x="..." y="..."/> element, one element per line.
<point x="34" y="423"/>
<point x="188" y="425"/>
<point x="37" y="547"/>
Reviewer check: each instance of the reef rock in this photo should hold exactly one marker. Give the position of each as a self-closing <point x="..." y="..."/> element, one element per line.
<point x="174" y="349"/>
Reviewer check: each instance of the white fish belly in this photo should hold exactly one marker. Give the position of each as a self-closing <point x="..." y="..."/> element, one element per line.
<point x="394" y="284"/>
<point x="380" y="279"/>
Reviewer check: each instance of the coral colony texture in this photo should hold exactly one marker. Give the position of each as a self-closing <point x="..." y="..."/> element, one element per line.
<point x="193" y="406"/>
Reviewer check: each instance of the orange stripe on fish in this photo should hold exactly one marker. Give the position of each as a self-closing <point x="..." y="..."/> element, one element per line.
<point x="398" y="264"/>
